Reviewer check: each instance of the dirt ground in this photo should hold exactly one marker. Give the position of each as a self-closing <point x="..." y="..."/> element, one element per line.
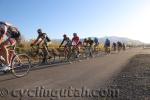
<point x="133" y="81"/>
<point x="108" y="72"/>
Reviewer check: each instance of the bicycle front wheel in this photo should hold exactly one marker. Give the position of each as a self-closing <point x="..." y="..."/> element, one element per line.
<point x="20" y="65"/>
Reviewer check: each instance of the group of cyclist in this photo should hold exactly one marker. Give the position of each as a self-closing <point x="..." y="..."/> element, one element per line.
<point x="13" y="36"/>
<point x="118" y="46"/>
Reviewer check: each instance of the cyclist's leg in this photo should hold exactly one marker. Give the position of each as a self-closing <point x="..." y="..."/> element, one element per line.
<point x="114" y="48"/>
<point x="47" y="50"/>
<point x="9" y="42"/>
<point x="90" y="51"/>
<point x="11" y="53"/>
<point x="109" y="49"/>
<point x="44" y="53"/>
<point x="1" y="39"/>
<point x="78" y="50"/>
<point x="94" y="47"/>
<point x="105" y="49"/>
<point x="66" y="51"/>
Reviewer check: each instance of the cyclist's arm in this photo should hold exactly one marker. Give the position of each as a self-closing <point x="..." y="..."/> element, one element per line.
<point x="43" y="37"/>
<point x="35" y="42"/>
<point x="62" y="43"/>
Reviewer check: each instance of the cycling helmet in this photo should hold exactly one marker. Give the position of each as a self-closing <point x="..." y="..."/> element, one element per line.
<point x="16" y="35"/>
<point x="64" y="35"/>
<point x="95" y="38"/>
<point x="74" y="34"/>
<point x="6" y="23"/>
<point x="85" y="39"/>
<point x="14" y="32"/>
<point x="39" y="30"/>
<point x="107" y="39"/>
<point x="89" y="38"/>
<point x="12" y="29"/>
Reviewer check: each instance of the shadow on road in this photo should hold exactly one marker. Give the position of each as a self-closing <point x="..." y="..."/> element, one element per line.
<point x="7" y="79"/>
<point x="8" y="76"/>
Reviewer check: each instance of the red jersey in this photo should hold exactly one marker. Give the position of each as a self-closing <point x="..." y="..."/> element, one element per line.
<point x="75" y="40"/>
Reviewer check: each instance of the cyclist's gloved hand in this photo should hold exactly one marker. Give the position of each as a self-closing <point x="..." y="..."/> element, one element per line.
<point x="31" y="44"/>
<point x="38" y="45"/>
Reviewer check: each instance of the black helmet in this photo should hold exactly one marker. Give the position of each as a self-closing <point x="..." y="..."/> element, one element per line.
<point x="89" y="38"/>
<point x="64" y="35"/>
<point x="39" y="30"/>
<point x="16" y="35"/>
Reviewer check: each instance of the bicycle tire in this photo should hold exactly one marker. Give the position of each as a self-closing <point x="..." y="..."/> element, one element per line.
<point x="19" y="62"/>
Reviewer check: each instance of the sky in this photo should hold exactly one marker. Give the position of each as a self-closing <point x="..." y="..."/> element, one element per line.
<point x="88" y="18"/>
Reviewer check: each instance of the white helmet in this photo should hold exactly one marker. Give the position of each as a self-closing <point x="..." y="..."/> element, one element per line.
<point x="6" y="23"/>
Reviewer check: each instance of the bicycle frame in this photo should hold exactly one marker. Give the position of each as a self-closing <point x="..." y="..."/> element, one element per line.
<point x="73" y="51"/>
<point x="12" y="53"/>
<point x="66" y="51"/>
<point x="37" y="48"/>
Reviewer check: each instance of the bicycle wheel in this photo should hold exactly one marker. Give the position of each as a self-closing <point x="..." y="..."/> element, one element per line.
<point x="20" y="65"/>
<point x="72" y="56"/>
<point x="36" y="55"/>
<point x="86" y="52"/>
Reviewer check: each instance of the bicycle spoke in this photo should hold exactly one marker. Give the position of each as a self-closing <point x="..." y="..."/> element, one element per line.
<point x="21" y="65"/>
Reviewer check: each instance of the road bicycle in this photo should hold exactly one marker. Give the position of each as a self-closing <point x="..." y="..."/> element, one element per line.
<point x="66" y="51"/>
<point x="20" y="63"/>
<point x="88" y="52"/>
<point x="40" y="56"/>
<point x="107" y="49"/>
<point x="73" y="54"/>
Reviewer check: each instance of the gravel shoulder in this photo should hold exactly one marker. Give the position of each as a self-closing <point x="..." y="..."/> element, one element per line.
<point x="133" y="82"/>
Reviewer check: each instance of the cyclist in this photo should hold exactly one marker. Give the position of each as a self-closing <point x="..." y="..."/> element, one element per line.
<point x="85" y="42"/>
<point x="119" y="45"/>
<point x="13" y="36"/>
<point x="114" y="46"/>
<point x="90" y="46"/>
<point x="124" y="46"/>
<point x="42" y="40"/>
<point x="76" y="43"/>
<point x="107" y="45"/>
<point x="96" y="43"/>
<point x="90" y="42"/>
<point x="67" y="46"/>
<point x="67" y="40"/>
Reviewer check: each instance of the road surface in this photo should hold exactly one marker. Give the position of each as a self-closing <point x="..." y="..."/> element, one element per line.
<point x="92" y="74"/>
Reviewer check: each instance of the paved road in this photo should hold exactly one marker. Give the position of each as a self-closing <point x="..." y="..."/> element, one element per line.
<point x="92" y="74"/>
